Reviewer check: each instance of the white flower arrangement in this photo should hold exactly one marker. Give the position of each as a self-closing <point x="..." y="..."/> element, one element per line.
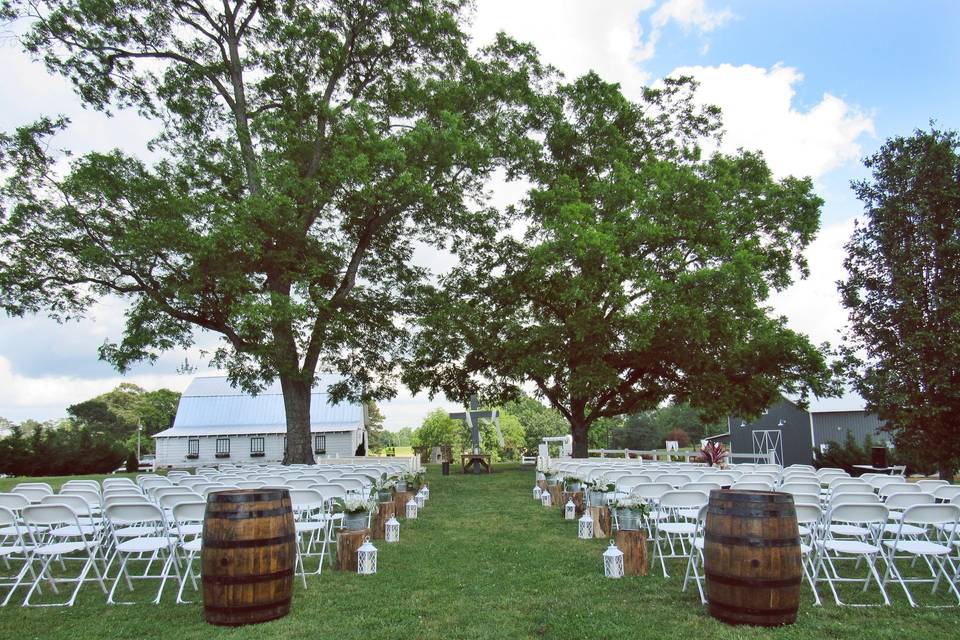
<point x="356" y="505"/>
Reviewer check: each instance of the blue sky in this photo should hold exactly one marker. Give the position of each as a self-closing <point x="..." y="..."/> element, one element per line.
<point x="814" y="84"/>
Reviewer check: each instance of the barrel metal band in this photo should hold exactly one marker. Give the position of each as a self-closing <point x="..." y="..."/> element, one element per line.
<point x="737" y="541"/>
<point x="247" y="607"/>
<point x="717" y="609"/>
<point x="254" y="496"/>
<point x="747" y="512"/>
<point x="246" y="515"/>
<point x="249" y="544"/>
<point x="769" y="583"/>
<point x="248" y="579"/>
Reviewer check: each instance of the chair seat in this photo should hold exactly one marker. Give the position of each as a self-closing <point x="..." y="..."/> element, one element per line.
<point x="189" y="529"/>
<point x="73" y="531"/>
<point x="850" y="546"/>
<point x="678" y="528"/>
<point x="805" y="549"/>
<point x="12" y="549"/>
<point x="917" y="547"/>
<point x="848" y="530"/>
<point x="59" y="548"/>
<point x="134" y="532"/>
<point x="192" y="545"/>
<point x="143" y="545"/>
<point x="303" y="527"/>
<point x="905" y="529"/>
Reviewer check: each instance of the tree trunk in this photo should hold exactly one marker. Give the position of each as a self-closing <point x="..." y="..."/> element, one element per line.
<point x="296" y="403"/>
<point x="579" y="431"/>
<point x="947" y="469"/>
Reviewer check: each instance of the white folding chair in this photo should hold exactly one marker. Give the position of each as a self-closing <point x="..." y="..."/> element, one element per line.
<point x="14" y="545"/>
<point x="678" y="526"/>
<point x="809" y="521"/>
<point x="155" y="542"/>
<point x="849" y="535"/>
<point x="947" y="493"/>
<point x="936" y="555"/>
<point x="931" y="485"/>
<point x="695" y="557"/>
<point x="41" y="519"/>
<point x="313" y="527"/>
<point x="188" y="527"/>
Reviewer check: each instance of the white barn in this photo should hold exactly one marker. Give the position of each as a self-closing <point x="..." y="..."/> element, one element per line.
<point x="217" y="423"/>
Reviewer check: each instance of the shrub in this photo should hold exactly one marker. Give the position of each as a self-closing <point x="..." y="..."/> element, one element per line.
<point x="133" y="465"/>
<point x="679" y="435"/>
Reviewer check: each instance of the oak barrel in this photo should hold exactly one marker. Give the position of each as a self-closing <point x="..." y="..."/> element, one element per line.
<point x="249" y="550"/>
<point x="752" y="557"/>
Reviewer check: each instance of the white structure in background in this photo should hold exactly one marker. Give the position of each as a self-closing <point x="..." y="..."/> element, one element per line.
<point x="217" y="423"/>
<point x="543" y="453"/>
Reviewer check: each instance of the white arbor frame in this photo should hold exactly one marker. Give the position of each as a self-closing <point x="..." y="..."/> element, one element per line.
<point x="769" y="441"/>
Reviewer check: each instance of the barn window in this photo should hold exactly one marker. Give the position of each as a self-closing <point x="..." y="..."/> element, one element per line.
<point x="193" y="448"/>
<point x="319" y="444"/>
<point x="223" y="447"/>
<point x="256" y="447"/>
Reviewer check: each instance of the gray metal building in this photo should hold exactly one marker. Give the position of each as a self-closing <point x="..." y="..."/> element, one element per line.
<point x="791" y="434"/>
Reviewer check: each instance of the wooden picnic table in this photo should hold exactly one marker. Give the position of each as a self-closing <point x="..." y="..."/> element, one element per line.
<point x="475" y="462"/>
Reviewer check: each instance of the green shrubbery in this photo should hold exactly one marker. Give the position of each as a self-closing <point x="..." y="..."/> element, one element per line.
<point x="845" y="456"/>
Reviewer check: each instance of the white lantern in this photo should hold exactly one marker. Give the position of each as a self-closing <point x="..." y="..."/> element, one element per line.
<point x="570" y="510"/>
<point x="537" y="492"/>
<point x="426" y="492"/>
<point x="613" y="561"/>
<point x="412" y="509"/>
<point x="421" y="499"/>
<point x="366" y="558"/>
<point x="391" y="530"/>
<point x="585" y="529"/>
<point x="545" y="499"/>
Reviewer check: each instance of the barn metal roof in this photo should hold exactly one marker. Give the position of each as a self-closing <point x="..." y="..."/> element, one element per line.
<point x="210" y="406"/>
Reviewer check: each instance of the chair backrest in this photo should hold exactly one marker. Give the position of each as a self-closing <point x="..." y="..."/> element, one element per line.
<point x="705" y="487"/>
<point x="13" y="501"/>
<point x="330" y="491"/>
<point x="249" y="484"/>
<point x="854" y="498"/>
<point x="681" y="499"/>
<point x="905" y="487"/>
<point x="851" y="488"/>
<point x="93" y="498"/>
<point x="800" y="487"/>
<point x="652" y="491"/>
<point x="136" y="513"/>
<point x="213" y="488"/>
<point x="89" y="485"/>
<point x="723" y="479"/>
<point x="9" y="519"/>
<point x="625" y="483"/>
<point x="860" y="513"/>
<point x="188" y="513"/>
<point x="881" y="481"/>
<point x="907" y="499"/>
<point x="926" y="514"/>
<point x="948" y="492"/>
<point x="306" y="499"/>
<point x="48" y="515"/>
<point x="301" y="483"/>
<point x="123" y="499"/>
<point x="80" y="506"/>
<point x="931" y="485"/>
<point x="806" y="498"/>
<point x="33" y="494"/>
<point x="808" y="513"/>
<point x="350" y="484"/>
<point x="751" y="486"/>
<point x="41" y="486"/>
<point x="170" y="500"/>
<point x="673" y="479"/>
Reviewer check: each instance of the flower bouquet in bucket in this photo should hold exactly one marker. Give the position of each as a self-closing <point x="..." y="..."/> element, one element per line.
<point x="356" y="512"/>
<point x="629" y="513"/>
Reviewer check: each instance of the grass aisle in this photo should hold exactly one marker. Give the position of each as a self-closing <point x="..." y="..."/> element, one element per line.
<point x="483" y="561"/>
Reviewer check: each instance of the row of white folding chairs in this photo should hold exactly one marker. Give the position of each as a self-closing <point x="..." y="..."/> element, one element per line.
<point x="866" y="533"/>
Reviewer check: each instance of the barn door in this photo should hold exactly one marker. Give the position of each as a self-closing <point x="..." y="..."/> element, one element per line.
<point x="769" y="441"/>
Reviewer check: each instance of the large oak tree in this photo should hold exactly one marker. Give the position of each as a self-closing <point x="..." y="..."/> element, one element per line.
<point x="903" y="294"/>
<point x="305" y="148"/>
<point x="641" y="275"/>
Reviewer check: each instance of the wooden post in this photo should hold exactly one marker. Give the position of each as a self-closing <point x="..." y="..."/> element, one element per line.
<point x="542" y="484"/>
<point x="555" y="493"/>
<point x="347" y="544"/>
<point x="633" y="544"/>
<point x="577" y="497"/>
<point x="385" y="511"/>
<point x="400" y="501"/>
<point x="601" y="521"/>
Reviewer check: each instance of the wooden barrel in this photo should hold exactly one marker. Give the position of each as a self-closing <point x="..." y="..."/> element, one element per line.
<point x="249" y="551"/>
<point x="752" y="557"/>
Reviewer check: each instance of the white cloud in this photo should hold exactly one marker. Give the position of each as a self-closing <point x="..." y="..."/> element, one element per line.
<point x="813" y="306"/>
<point x="689" y="14"/>
<point x="759" y="114"/>
<point x="573" y="35"/>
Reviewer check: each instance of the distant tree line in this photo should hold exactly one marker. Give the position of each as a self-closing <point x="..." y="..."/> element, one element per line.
<point x="97" y="436"/>
<point x="526" y="421"/>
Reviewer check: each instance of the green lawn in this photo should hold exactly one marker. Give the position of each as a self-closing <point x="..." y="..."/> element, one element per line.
<point x="483" y="561"/>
